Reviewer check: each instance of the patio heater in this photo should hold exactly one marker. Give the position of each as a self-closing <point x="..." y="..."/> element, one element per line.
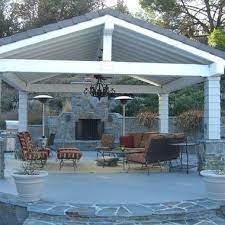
<point x="43" y="99"/>
<point x="123" y="101"/>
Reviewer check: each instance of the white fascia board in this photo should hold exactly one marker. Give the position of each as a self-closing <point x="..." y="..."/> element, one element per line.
<point x="169" y="41"/>
<point x="79" y="88"/>
<point x="51" y="35"/>
<point x="103" y="67"/>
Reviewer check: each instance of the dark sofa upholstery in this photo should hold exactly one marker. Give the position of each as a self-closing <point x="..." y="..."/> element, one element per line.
<point x="156" y="148"/>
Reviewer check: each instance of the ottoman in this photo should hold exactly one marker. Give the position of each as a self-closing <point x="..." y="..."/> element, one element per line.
<point x="73" y="154"/>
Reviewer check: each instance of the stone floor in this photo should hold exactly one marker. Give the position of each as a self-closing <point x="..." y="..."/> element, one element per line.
<point x="117" y="188"/>
<point x="122" y="199"/>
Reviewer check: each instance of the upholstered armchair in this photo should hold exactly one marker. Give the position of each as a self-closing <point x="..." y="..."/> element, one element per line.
<point x="29" y="150"/>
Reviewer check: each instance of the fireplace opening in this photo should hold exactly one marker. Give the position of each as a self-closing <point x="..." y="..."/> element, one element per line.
<point x="89" y="129"/>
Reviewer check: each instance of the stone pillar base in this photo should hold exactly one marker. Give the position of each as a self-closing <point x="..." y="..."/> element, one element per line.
<point x="212" y="154"/>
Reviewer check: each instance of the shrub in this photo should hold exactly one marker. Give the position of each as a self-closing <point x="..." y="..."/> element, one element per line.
<point x="190" y="120"/>
<point x="147" y="117"/>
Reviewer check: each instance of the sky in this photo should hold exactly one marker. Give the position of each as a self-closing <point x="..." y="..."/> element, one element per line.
<point x="133" y="5"/>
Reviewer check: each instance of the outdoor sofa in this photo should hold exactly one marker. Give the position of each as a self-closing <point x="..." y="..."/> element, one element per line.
<point x="154" y="147"/>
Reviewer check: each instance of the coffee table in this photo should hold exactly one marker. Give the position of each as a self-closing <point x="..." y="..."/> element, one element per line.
<point x="119" y="154"/>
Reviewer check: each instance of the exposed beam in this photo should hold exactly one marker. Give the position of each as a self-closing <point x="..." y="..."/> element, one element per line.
<point x="146" y="80"/>
<point x="43" y="78"/>
<point x="79" y="88"/>
<point x="103" y="67"/>
<point x="14" y="81"/>
<point x="181" y="83"/>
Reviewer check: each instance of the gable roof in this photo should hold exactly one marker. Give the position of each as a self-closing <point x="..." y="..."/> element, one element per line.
<point x="114" y="13"/>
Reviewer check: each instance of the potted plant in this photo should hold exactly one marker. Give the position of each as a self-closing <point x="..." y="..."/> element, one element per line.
<point x="29" y="181"/>
<point x="214" y="180"/>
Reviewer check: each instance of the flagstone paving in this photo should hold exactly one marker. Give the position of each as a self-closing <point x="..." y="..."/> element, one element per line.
<point x="194" y="212"/>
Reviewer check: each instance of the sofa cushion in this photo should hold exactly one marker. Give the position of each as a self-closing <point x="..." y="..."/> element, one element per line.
<point x="146" y="138"/>
<point x="127" y="141"/>
<point x="137" y="157"/>
<point x="137" y="137"/>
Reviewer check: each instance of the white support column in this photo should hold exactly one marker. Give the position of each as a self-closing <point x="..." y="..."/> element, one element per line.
<point x="163" y="113"/>
<point x="107" y="41"/>
<point x="212" y="108"/>
<point x="23" y="114"/>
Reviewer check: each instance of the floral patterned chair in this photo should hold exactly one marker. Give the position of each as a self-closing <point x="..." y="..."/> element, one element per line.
<point x="30" y="151"/>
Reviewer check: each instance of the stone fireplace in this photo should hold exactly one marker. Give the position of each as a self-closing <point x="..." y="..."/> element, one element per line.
<point x="89" y="129"/>
<point x="84" y="126"/>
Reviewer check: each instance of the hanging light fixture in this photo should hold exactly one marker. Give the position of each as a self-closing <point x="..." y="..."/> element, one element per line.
<point x="100" y="89"/>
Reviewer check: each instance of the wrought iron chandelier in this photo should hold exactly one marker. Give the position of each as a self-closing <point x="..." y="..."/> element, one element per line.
<point x="100" y="89"/>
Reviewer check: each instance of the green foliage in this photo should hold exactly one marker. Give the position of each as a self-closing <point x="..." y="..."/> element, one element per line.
<point x="217" y="39"/>
<point x="189" y="98"/>
<point x="138" y="103"/>
<point x="35" y="13"/>
<point x="9" y="24"/>
<point x="121" y="7"/>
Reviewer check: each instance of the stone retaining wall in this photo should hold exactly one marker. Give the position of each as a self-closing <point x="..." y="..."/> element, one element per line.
<point x="201" y="211"/>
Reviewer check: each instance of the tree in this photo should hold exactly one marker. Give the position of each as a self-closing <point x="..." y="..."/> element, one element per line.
<point x="189" y="17"/>
<point x="8" y="23"/>
<point x="217" y="39"/>
<point x="35" y="13"/>
<point x="122" y="7"/>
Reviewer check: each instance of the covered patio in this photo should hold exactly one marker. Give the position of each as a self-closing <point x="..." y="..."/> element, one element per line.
<point x="107" y="42"/>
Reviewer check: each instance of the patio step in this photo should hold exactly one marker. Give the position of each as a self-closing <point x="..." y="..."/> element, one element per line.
<point x="185" y="212"/>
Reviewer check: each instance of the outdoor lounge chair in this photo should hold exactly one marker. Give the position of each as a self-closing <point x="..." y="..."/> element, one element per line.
<point x="30" y="151"/>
